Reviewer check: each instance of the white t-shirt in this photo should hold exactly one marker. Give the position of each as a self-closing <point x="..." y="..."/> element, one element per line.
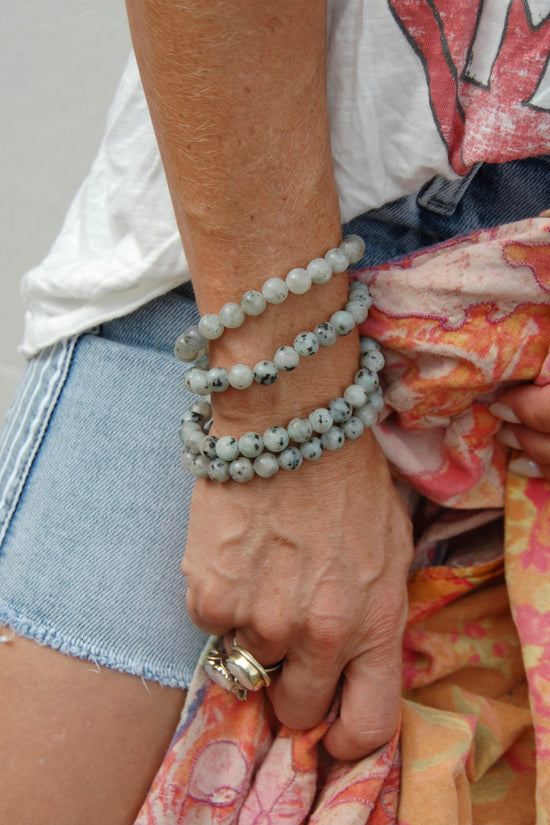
<point x="414" y="90"/>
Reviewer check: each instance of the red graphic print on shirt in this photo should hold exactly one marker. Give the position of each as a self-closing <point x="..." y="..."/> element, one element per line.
<point x="487" y="69"/>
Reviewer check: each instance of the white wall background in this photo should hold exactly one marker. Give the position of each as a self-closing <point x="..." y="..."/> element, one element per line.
<point x="60" y="64"/>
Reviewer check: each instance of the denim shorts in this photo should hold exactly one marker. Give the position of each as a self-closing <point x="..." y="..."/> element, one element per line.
<point x="93" y="500"/>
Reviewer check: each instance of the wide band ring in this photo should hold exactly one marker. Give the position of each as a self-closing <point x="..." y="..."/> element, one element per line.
<point x="238" y="671"/>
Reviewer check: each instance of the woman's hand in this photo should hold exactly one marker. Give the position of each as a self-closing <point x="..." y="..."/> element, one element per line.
<point x="525" y="413"/>
<point x="311" y="567"/>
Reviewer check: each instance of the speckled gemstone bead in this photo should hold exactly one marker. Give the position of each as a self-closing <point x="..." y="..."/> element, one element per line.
<point x="193" y="441"/>
<point x="232" y="315"/>
<point x="189" y="344"/>
<point x="361" y="296"/>
<point x="227" y="448"/>
<point x="368" y="379"/>
<point x="210" y="326"/>
<point x="199" y="466"/>
<point x="218" y="379"/>
<point x="376" y="399"/>
<point x="312" y="449"/>
<point x="321" y="420"/>
<point x="185" y="429"/>
<point x="266" y="465"/>
<point x="337" y="259"/>
<point x="253" y="302"/>
<point x="366" y="344"/>
<point x="218" y="470"/>
<point x="196" y="381"/>
<point x="373" y="360"/>
<point x="353" y="428"/>
<point x="353" y="247"/>
<point x="333" y="439"/>
<point x="306" y="344"/>
<point x="299" y="430"/>
<point x="208" y="447"/>
<point x="251" y="445"/>
<point x="241" y="377"/>
<point x="187" y="460"/>
<point x="320" y="271"/>
<point x="326" y="334"/>
<point x="359" y="312"/>
<point x="342" y="322"/>
<point x="276" y="439"/>
<point x="298" y="281"/>
<point x="265" y="373"/>
<point x="367" y="414"/>
<point x="201" y="407"/>
<point x="355" y="395"/>
<point x="275" y="291"/>
<point x="192" y="417"/>
<point x="290" y="459"/>
<point x="340" y="410"/>
<point x="241" y="470"/>
<point x="286" y="359"/>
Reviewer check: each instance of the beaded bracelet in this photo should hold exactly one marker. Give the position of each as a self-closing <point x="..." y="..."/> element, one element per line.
<point x="345" y="418"/>
<point x="192" y="344"/>
<point x="202" y="380"/>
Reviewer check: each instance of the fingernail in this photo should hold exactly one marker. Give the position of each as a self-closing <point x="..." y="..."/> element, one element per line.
<point x="525" y="467"/>
<point x="508" y="438"/>
<point x="504" y="412"/>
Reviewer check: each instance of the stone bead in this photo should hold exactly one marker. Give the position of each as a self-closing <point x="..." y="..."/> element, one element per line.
<point x="357" y="286"/>
<point x="353" y="247"/>
<point x="326" y="334"/>
<point x="197" y="381"/>
<point x="321" y="420"/>
<point x="358" y="312"/>
<point x="232" y="315"/>
<point x="298" y="281"/>
<point x="241" y="377"/>
<point x="361" y="297"/>
<point x="266" y="465"/>
<point x="265" y="373"/>
<point x="276" y="439"/>
<point x="193" y="441"/>
<point x="333" y="439"/>
<point x="208" y="448"/>
<point x="312" y="449"/>
<point x="342" y="322"/>
<point x="355" y="395"/>
<point x="367" y="344"/>
<point x="340" y="410"/>
<point x="337" y="259"/>
<point x="306" y="344"/>
<point x="227" y="448"/>
<point x="320" y="271"/>
<point x="218" y="470"/>
<point x="185" y="428"/>
<point x="376" y="399"/>
<point x="201" y="407"/>
<point x="367" y="379"/>
<point x="253" y="302"/>
<point x="241" y="470"/>
<point x="286" y="359"/>
<point x="251" y="445"/>
<point x="203" y="363"/>
<point x="187" y="460"/>
<point x="353" y="428"/>
<point x="199" y="466"/>
<point x="192" y="417"/>
<point x="367" y="414"/>
<point x="218" y="379"/>
<point x="373" y="360"/>
<point x="210" y="326"/>
<point x="189" y="344"/>
<point x="299" y="430"/>
<point x="275" y="291"/>
<point x="290" y="459"/>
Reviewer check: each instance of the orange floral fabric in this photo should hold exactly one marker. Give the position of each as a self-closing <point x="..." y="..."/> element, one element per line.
<point x="457" y="324"/>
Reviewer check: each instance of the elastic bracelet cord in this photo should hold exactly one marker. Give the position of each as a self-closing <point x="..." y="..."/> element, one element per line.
<point x="202" y="380"/>
<point x="326" y="428"/>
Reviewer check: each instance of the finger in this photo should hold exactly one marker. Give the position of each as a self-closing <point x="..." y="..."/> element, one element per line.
<point x="370" y="704"/>
<point x="535" y="444"/>
<point x="304" y="690"/>
<point x="212" y="623"/>
<point x="528" y="405"/>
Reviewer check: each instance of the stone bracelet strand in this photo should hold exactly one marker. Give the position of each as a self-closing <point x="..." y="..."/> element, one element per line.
<point x="193" y="343"/>
<point x="345" y="418"/>
<point x="202" y="380"/>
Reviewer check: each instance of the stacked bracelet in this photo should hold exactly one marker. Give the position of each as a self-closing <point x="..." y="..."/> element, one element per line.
<point x="240" y="459"/>
<point x="192" y="344"/>
<point x="202" y="380"/>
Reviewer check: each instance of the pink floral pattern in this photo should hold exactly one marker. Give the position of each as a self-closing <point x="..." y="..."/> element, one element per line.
<point x="457" y="322"/>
